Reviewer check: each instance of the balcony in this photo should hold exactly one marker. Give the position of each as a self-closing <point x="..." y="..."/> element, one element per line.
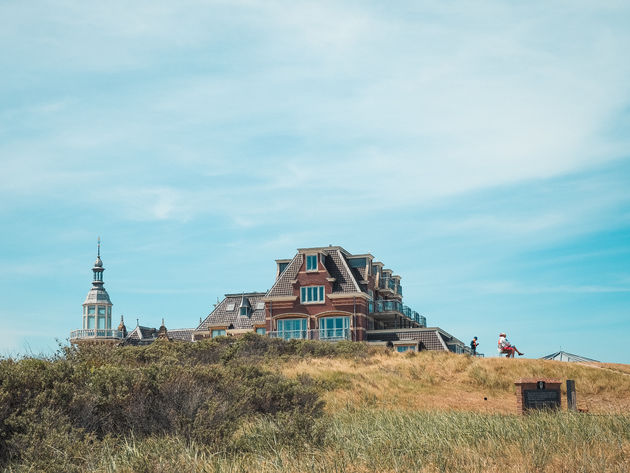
<point x="389" y="308"/>
<point x="96" y="334"/>
<point x="324" y="334"/>
<point x="389" y="284"/>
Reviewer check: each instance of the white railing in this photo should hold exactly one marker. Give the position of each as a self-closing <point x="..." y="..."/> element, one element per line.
<point x="95" y="333"/>
<point x="323" y="334"/>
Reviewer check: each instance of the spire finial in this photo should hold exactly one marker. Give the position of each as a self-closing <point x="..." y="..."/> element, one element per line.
<point x="98" y="251"/>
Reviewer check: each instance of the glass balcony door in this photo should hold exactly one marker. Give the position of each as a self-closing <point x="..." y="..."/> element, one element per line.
<point x="334" y="328"/>
<point x="292" y="328"/>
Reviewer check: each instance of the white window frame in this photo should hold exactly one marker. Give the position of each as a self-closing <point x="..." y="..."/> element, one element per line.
<point x="312" y="294"/>
<point x="316" y="268"/>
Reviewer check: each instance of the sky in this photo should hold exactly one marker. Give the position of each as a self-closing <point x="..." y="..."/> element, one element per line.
<point x="481" y="150"/>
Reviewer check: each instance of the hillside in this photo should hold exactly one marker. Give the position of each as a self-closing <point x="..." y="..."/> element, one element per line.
<point x="254" y="404"/>
<point x="442" y="381"/>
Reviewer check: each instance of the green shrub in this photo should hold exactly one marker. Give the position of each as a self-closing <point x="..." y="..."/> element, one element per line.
<point x="198" y="392"/>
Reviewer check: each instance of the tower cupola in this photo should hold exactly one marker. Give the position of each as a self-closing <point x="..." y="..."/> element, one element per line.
<point x="97" y="308"/>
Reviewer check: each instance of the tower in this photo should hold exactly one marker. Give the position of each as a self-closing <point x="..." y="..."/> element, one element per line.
<point x="97" y="309"/>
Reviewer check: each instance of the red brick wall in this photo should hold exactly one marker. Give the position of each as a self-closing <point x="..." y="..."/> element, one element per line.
<point x="525" y="384"/>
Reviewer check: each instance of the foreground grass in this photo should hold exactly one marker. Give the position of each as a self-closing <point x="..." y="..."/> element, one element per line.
<point x="384" y="441"/>
<point x="254" y="405"/>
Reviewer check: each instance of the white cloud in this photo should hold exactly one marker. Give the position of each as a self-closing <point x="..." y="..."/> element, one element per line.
<point x="414" y="103"/>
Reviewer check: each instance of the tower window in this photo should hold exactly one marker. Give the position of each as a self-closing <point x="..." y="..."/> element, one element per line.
<point x="101" y="310"/>
<point x="91" y="310"/>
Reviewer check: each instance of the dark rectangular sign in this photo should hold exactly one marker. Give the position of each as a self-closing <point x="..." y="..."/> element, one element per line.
<point x="541" y="399"/>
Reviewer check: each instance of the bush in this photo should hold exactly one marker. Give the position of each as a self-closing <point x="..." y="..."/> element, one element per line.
<point x="200" y="392"/>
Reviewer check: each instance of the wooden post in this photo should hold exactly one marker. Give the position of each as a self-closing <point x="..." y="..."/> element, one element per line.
<point x="571" y="401"/>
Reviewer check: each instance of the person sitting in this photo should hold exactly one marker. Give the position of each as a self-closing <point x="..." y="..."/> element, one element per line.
<point x="505" y="347"/>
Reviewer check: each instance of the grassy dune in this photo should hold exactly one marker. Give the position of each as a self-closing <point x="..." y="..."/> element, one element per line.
<point x="243" y="405"/>
<point x="445" y="381"/>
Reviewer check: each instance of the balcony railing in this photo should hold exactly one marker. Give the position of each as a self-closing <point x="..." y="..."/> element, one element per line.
<point x="323" y="334"/>
<point x="95" y="333"/>
<point x="390" y="284"/>
<point x="397" y="306"/>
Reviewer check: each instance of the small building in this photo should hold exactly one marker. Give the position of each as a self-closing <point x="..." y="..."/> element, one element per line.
<point x="236" y="313"/>
<point x="569" y="357"/>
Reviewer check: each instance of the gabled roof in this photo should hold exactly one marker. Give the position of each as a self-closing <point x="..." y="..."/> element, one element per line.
<point x="227" y="312"/>
<point x="564" y="356"/>
<point x="142" y="333"/>
<point x="335" y="261"/>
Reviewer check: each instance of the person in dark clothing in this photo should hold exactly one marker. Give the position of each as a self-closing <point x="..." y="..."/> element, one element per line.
<point x="473" y="346"/>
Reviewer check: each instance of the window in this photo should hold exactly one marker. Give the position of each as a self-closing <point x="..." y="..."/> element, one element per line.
<point x="404" y="348"/>
<point x="312" y="294"/>
<point x="91" y="310"/>
<point x="334" y="328"/>
<point x="101" y="310"/>
<point x="90" y="322"/>
<point x="292" y="328"/>
<point x="109" y="311"/>
<point x="260" y="306"/>
<point x="357" y="262"/>
<point x="218" y="333"/>
<point x="101" y="321"/>
<point x="230" y="307"/>
<point x="261" y="330"/>
<point x="244" y="310"/>
<point x="311" y="263"/>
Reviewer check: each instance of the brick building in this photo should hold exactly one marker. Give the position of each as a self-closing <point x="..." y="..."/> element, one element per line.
<point x="327" y="293"/>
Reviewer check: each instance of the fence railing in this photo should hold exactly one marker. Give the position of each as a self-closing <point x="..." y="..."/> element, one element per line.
<point x="95" y="333"/>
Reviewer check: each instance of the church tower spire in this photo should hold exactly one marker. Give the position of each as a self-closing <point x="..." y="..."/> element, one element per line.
<point x="97" y="308"/>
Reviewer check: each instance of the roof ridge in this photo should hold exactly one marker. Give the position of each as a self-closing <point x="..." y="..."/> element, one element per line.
<point x="345" y="263"/>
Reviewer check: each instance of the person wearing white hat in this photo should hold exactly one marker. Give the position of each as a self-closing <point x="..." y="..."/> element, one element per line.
<point x="505" y="347"/>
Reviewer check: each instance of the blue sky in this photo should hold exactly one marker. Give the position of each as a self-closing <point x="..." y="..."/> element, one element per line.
<point x="479" y="149"/>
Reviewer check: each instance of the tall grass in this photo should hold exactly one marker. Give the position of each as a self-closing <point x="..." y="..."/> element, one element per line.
<point x="254" y="405"/>
<point x="384" y="441"/>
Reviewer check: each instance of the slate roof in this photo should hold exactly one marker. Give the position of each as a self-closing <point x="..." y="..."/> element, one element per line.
<point x="227" y="312"/>
<point x="430" y="337"/>
<point x="338" y="268"/>
<point x="183" y="334"/>
<point x="346" y="279"/>
<point x="283" y="286"/>
<point x="141" y="335"/>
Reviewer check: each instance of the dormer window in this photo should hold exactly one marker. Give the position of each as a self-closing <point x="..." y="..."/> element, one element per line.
<point x="244" y="311"/>
<point x="311" y="262"/>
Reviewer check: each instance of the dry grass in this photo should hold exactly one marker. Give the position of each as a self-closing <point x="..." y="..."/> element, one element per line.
<point x="445" y="381"/>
